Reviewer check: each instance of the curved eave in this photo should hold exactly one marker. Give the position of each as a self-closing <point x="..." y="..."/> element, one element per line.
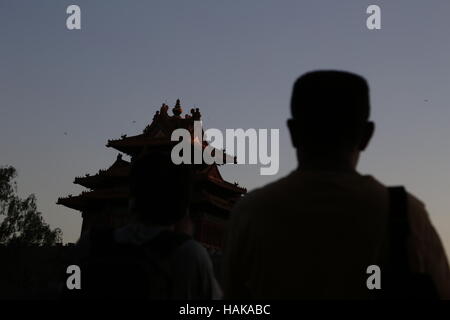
<point x="223" y="184"/>
<point x="100" y="181"/>
<point x="92" y="198"/>
<point x="135" y="144"/>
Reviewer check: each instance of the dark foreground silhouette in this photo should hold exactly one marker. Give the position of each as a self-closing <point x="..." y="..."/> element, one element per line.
<point x="147" y="259"/>
<point x="320" y="231"/>
<point x="323" y="232"/>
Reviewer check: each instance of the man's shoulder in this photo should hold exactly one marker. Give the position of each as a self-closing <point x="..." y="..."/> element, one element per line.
<point x="416" y="204"/>
<point x="419" y="219"/>
<point x="270" y="192"/>
<point x="180" y="244"/>
<point x="289" y="187"/>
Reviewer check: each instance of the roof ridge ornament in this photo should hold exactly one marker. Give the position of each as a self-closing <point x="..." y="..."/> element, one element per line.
<point x="196" y="115"/>
<point x="156" y="115"/>
<point x="164" y="108"/>
<point x="177" y="110"/>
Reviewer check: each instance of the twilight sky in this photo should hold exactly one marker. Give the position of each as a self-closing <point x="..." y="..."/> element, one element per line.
<point x="63" y="93"/>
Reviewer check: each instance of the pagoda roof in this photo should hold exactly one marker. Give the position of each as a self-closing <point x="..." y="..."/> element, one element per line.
<point x="94" y="198"/>
<point x="120" y="169"/>
<point x="110" y="186"/>
<point x="159" y="132"/>
<point x="90" y="199"/>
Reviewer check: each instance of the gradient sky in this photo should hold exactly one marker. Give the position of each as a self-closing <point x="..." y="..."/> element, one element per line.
<point x="236" y="61"/>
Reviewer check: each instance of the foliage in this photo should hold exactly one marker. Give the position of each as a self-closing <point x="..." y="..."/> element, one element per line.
<point x="21" y="223"/>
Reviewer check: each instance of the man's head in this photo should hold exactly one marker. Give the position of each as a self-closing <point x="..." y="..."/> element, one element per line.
<point x="160" y="191"/>
<point x="330" y="114"/>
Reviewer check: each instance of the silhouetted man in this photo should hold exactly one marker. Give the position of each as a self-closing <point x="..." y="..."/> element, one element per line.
<point x="147" y="258"/>
<point x="313" y="233"/>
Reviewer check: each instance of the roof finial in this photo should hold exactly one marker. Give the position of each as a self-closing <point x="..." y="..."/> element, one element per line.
<point x="156" y="115"/>
<point x="196" y="114"/>
<point x="177" y="111"/>
<point x="164" y="109"/>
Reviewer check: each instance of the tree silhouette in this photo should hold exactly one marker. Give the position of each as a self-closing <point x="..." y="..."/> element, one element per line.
<point x="21" y="223"/>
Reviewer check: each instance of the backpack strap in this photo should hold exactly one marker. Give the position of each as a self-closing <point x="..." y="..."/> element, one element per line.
<point x="402" y="283"/>
<point x="398" y="230"/>
<point x="394" y="254"/>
